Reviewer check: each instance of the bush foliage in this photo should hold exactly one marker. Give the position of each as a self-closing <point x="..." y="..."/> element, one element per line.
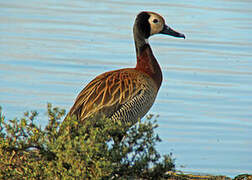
<point x="79" y="151"/>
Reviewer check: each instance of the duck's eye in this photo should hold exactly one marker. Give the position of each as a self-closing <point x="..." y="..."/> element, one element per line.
<point x="155" y="21"/>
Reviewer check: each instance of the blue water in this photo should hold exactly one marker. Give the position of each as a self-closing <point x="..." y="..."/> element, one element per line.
<point x="49" y="50"/>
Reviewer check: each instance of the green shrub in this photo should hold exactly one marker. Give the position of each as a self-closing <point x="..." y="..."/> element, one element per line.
<point x="79" y="151"/>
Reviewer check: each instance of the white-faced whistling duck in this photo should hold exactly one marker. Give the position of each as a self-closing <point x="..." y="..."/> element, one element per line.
<point x="127" y="94"/>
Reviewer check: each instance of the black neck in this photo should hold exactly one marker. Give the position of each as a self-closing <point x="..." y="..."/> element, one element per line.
<point x="140" y="41"/>
<point x="141" y="31"/>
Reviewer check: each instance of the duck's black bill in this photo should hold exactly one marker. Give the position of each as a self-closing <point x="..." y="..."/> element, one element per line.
<point x="169" y="31"/>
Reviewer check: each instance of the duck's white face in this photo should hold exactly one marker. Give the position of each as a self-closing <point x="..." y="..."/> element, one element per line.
<point x="156" y="23"/>
<point x="149" y="23"/>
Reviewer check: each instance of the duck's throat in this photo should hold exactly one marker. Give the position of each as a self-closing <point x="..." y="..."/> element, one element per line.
<point x="146" y="62"/>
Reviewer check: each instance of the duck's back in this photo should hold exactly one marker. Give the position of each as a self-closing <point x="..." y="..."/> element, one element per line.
<point x="122" y="95"/>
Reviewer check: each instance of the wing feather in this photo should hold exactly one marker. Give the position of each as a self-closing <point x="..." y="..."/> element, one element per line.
<point x="106" y="93"/>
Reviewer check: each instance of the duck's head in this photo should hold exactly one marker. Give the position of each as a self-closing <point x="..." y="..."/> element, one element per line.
<point x="150" y="23"/>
